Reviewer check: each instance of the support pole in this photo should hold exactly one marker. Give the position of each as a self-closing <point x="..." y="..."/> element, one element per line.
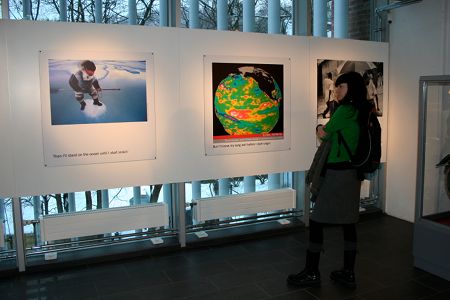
<point x="194" y="21"/>
<point x="274" y="181"/>
<point x="18" y="233"/>
<point x="132" y="12"/>
<point x="274" y="20"/>
<point x="341" y="19"/>
<point x="63" y="10"/>
<point x="26" y="5"/>
<point x="249" y="15"/>
<point x="179" y="192"/>
<point x="302" y="17"/>
<point x="72" y="205"/>
<point x="136" y="195"/>
<point x="163" y="13"/>
<point x="320" y="18"/>
<point x="37" y="211"/>
<point x="224" y="186"/>
<point x="5" y="9"/>
<point x="249" y="184"/>
<point x="98" y="11"/>
<point x="105" y="199"/>
<point x="222" y="16"/>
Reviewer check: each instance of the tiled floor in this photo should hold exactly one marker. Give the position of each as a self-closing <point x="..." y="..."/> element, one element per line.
<point x="254" y="269"/>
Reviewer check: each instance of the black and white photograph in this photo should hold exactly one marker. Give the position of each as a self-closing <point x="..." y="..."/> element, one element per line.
<point x="329" y="70"/>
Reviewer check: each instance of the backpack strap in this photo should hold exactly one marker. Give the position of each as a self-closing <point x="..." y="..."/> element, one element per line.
<point x="341" y="140"/>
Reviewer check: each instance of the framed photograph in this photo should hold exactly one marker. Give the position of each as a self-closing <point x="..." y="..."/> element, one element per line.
<point x="247" y="104"/>
<point x="97" y="107"/>
<point x="329" y="70"/>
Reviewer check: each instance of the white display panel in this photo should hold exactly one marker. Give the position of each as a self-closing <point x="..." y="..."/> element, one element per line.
<point x="6" y="134"/>
<point x="179" y="107"/>
<point x="76" y="129"/>
<point x="198" y="44"/>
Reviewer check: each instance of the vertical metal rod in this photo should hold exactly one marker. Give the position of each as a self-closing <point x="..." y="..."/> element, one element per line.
<point x="249" y="184"/>
<point x="249" y="15"/>
<point x="26" y="5"/>
<point x="222" y="16"/>
<point x="421" y="147"/>
<point x="274" y="181"/>
<point x="274" y="20"/>
<point x="181" y="200"/>
<point x="320" y="18"/>
<point x="2" y="218"/>
<point x="224" y="186"/>
<point x="132" y="12"/>
<point x="105" y="198"/>
<point x="98" y="11"/>
<point x="63" y="10"/>
<point x="341" y="19"/>
<point x="37" y="213"/>
<point x="18" y="233"/>
<point x="5" y="9"/>
<point x="163" y="13"/>
<point x="302" y="17"/>
<point x="194" y="21"/>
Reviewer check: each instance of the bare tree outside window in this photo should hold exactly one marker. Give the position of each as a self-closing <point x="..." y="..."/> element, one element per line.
<point x="113" y="11"/>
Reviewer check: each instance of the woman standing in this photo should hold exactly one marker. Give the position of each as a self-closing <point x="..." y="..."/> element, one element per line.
<point x="337" y="199"/>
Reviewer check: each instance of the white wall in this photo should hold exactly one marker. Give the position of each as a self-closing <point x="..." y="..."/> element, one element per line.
<point x="418" y="46"/>
<point x="179" y="103"/>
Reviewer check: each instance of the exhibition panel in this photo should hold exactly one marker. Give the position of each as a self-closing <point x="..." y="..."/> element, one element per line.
<point x="112" y="144"/>
<point x="166" y="109"/>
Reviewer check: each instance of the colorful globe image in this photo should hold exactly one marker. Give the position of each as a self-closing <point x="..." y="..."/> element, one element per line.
<point x="248" y="102"/>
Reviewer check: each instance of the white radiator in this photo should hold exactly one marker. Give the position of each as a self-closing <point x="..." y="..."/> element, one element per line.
<point x="243" y="204"/>
<point x="91" y="222"/>
<point x="2" y="233"/>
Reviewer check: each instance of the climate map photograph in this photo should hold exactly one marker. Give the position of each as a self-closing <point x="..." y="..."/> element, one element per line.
<point x="248" y="101"/>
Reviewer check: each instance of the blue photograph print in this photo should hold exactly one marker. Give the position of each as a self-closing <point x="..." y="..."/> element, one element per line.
<point x="97" y="91"/>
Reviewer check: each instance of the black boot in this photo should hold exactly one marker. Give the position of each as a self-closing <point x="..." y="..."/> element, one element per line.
<point x="346" y="276"/>
<point x="310" y="276"/>
<point x="82" y="105"/>
<point x="98" y="103"/>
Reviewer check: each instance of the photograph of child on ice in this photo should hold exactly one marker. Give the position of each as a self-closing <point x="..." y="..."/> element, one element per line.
<point x="90" y="91"/>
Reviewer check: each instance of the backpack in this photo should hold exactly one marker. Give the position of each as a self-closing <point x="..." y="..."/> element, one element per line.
<point x="367" y="157"/>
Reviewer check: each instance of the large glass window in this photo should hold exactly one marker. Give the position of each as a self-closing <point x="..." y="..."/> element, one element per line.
<point x="65" y="204"/>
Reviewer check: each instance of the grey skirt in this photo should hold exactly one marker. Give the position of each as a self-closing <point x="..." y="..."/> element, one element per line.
<point x="338" y="198"/>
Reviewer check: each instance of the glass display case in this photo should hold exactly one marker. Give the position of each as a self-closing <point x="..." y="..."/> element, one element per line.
<point x="432" y="220"/>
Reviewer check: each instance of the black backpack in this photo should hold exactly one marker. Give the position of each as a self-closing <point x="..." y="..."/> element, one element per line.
<point x="368" y="152"/>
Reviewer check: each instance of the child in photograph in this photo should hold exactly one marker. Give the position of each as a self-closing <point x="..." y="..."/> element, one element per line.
<point x="331" y="103"/>
<point x="84" y="81"/>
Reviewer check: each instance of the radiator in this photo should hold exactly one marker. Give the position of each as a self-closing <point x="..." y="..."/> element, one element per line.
<point x="91" y="222"/>
<point x="2" y="233"/>
<point x="243" y="204"/>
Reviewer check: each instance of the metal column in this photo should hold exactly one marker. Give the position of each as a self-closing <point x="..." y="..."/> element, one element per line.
<point x="341" y="19"/>
<point x="273" y="22"/>
<point x="222" y="16"/>
<point x="5" y="9"/>
<point x="194" y="21"/>
<point x="98" y="11"/>
<point x="26" y="5"/>
<point x="18" y="233"/>
<point x="132" y="12"/>
<point x="63" y="10"/>
<point x="302" y="17"/>
<point x="249" y="15"/>
<point x="178" y="190"/>
<point x="320" y="18"/>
